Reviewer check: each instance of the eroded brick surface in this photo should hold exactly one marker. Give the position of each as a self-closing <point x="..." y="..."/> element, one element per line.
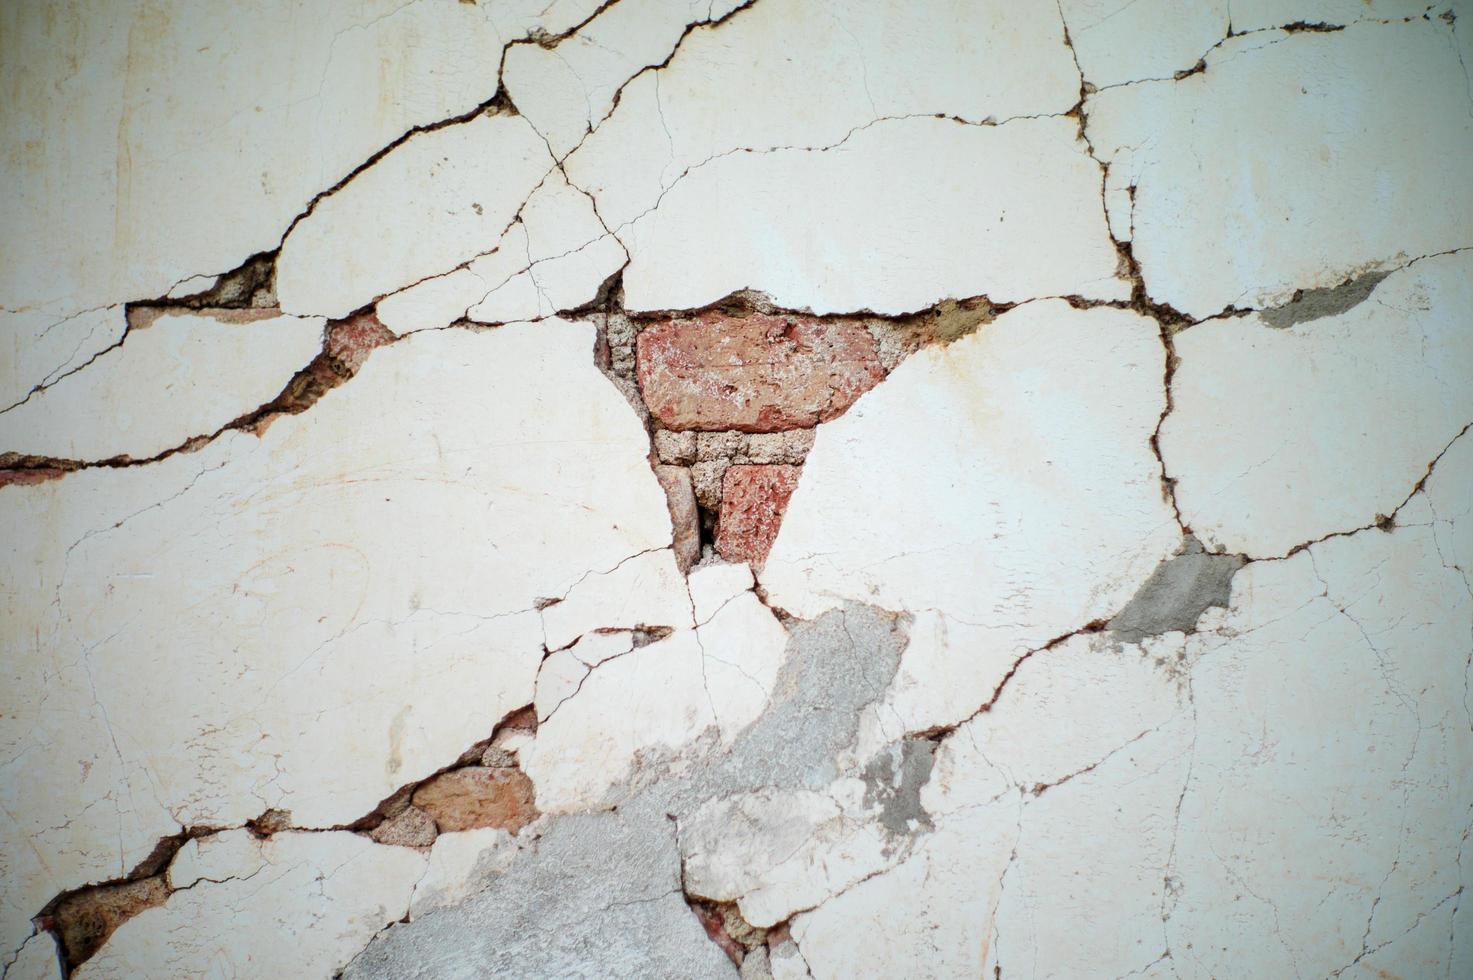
<point x="478" y="796"/>
<point x="756" y="373"/>
<point x="753" y="499"/>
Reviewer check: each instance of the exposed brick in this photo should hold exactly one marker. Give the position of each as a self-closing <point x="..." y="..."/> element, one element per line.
<point x="756" y="373"/>
<point x="350" y="341"/>
<point x="478" y="796"/>
<point x="753" y="499"/>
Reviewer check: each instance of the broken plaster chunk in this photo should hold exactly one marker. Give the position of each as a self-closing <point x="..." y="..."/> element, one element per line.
<point x="1278" y="436"/>
<point x="754" y="373"/>
<point x="37" y="348"/>
<point x="755" y="965"/>
<point x="1214" y="228"/>
<point x="566" y="90"/>
<point x="313" y="901"/>
<point x="186" y="374"/>
<point x="775" y="852"/>
<point x="917" y="210"/>
<point x="669" y="692"/>
<point x="1120" y="727"/>
<point x="1112" y="696"/>
<point x="596" y="895"/>
<point x="475" y="797"/>
<point x="644" y="590"/>
<point x="552" y="285"/>
<point x="787" y="963"/>
<point x="513" y="740"/>
<point x="565" y="256"/>
<point x="1120" y="41"/>
<point x="578" y="756"/>
<point x="318" y="553"/>
<point x="459" y="863"/>
<point x="114" y="155"/>
<point x="216" y="857"/>
<point x="594" y="648"/>
<point x="742" y="647"/>
<point x="559" y="678"/>
<point x="412" y="828"/>
<point x="465" y="181"/>
<point x="1101" y="840"/>
<point x="809" y="77"/>
<point x="617" y="869"/>
<point x="935" y="907"/>
<point x="753" y="500"/>
<point x="1322" y="690"/>
<point x="438" y="301"/>
<point x="714" y="585"/>
<point x="1003" y="502"/>
<point x="36" y="960"/>
<point x="685" y="520"/>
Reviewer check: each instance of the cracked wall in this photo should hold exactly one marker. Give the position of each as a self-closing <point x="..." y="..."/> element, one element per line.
<point x="776" y="489"/>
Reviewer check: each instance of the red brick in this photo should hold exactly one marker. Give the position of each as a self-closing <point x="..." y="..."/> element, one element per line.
<point x="756" y="373"/>
<point x="753" y="499"/>
<point x="477" y="796"/>
<point x="350" y="341"/>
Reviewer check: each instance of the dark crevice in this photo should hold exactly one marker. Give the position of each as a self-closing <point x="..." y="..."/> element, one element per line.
<point x="251" y="285"/>
<point x="937" y="732"/>
<point x="82" y="919"/>
<point x="346" y="344"/>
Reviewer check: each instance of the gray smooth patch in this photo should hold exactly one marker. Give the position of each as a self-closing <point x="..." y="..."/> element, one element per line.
<point x="599" y="894"/>
<point x="1313" y="304"/>
<point x="894" y="779"/>
<point x="1176" y="595"/>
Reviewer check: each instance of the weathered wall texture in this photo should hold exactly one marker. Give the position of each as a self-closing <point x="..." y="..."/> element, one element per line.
<point x="698" y="488"/>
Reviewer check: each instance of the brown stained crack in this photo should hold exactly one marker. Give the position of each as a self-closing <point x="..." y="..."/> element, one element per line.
<point x="726" y="927"/>
<point x="1168" y="319"/>
<point x="1383" y="522"/>
<point x="249" y="287"/>
<point x="938" y="732"/>
<point x="54" y="378"/>
<point x="708" y="23"/>
<point x="80" y="920"/>
<point x="483" y="787"/>
<point x="345" y="347"/>
<point x="501" y="104"/>
<point x="1200" y="66"/>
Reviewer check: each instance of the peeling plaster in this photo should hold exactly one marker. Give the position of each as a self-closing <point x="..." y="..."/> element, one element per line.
<point x="737" y="489"/>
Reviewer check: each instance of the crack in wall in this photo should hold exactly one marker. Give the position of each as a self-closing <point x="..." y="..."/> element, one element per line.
<point x="81" y="919"/>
